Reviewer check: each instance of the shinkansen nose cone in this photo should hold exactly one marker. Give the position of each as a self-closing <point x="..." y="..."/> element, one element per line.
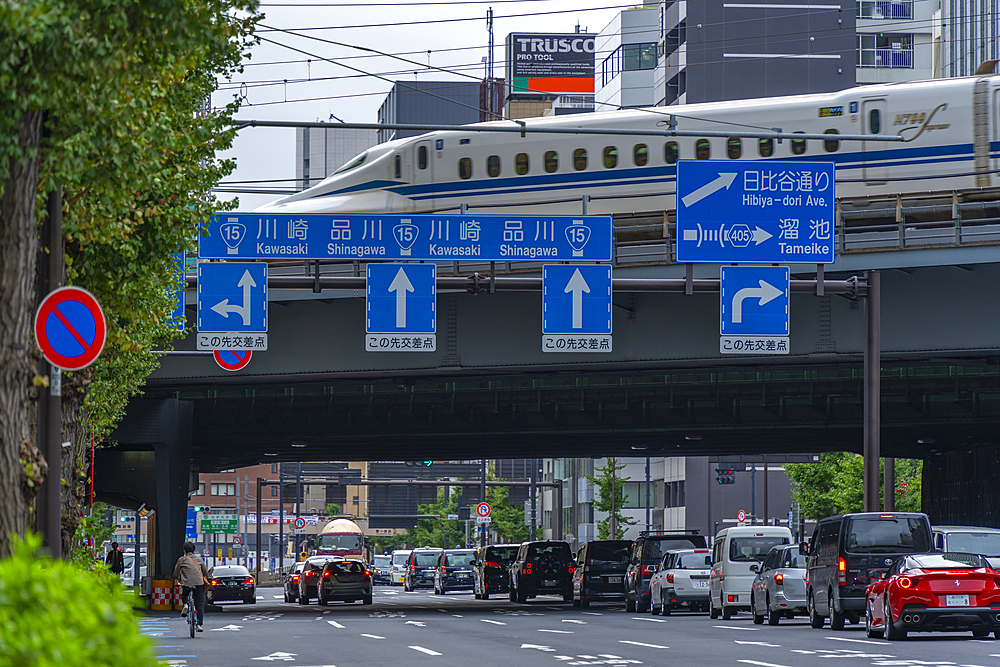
<point x="309" y="201"/>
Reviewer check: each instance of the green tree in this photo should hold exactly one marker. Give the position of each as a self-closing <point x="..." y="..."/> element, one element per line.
<point x="332" y="509"/>
<point x="439" y="531"/>
<point x="105" y="99"/>
<point x="611" y="486"/>
<point x="508" y="520"/>
<point x="836" y="484"/>
<point x="383" y="544"/>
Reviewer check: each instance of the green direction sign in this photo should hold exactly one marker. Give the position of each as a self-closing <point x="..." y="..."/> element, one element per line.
<point x="219" y="524"/>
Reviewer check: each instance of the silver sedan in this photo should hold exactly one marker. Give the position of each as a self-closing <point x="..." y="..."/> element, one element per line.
<point x="780" y="586"/>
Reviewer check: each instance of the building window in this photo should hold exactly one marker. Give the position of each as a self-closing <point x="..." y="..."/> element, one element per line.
<point x="201" y="489"/>
<point x="422" y="157"/>
<point x="610" y="157"/>
<point x="734" y="148"/>
<point x="635" y="495"/>
<point x="611" y="66"/>
<point x="885" y="9"/>
<point x="765" y="147"/>
<point x="465" y="168"/>
<point x="551" y="161"/>
<point x="831" y="145"/>
<point x="521" y="164"/>
<point x="274" y="468"/>
<point x="702" y="149"/>
<point x="798" y="145"/>
<point x="274" y="491"/>
<point x="223" y="489"/>
<point x="638" y="56"/>
<point x="580" y="159"/>
<point x="640" y="155"/>
<point x="885" y="50"/>
<point x="673" y="494"/>
<point x="671" y="152"/>
<point x="493" y="166"/>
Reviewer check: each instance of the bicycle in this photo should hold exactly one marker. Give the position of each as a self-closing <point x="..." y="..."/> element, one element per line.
<point x="192" y="609"/>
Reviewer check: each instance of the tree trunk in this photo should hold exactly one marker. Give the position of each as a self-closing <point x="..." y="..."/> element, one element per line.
<point x="21" y="464"/>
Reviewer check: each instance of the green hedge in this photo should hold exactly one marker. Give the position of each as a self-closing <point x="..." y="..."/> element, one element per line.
<point x="58" y="613"/>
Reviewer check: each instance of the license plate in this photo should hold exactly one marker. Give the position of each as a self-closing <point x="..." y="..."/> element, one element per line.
<point x="614" y="580"/>
<point x="463" y="575"/>
<point x="699" y="584"/>
<point x="956" y="600"/>
<point x="550" y="582"/>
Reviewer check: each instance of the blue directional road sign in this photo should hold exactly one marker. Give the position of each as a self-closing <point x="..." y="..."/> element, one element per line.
<point x="401" y="298"/>
<point x="501" y="238"/>
<point x="764" y="211"/>
<point x="232" y="297"/>
<point x="576" y="299"/>
<point x="754" y="301"/>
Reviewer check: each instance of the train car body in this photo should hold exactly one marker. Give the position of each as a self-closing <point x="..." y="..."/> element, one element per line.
<point x="950" y="130"/>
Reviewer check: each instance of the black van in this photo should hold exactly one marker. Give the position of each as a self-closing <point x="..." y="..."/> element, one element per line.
<point x="845" y="550"/>
<point x="647" y="551"/>
<point x="600" y="571"/>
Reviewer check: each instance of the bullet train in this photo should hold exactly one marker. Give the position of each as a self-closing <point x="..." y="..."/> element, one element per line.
<point x="950" y="131"/>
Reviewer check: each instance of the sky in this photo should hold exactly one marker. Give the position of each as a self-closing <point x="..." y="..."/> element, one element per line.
<point x="297" y="74"/>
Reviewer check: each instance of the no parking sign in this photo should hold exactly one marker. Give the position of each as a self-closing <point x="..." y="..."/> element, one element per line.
<point x="70" y="328"/>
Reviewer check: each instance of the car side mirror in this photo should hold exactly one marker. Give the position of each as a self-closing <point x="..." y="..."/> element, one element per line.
<point x="754" y="568"/>
<point x="804" y="548"/>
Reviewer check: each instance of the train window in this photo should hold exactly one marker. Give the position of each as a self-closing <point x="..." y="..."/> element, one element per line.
<point x="521" y="164"/>
<point x="422" y="157"/>
<point x="640" y="155"/>
<point x="702" y="149"/>
<point x="551" y="161"/>
<point x="398" y="161"/>
<point x="610" y="157"/>
<point x="831" y="145"/>
<point x="465" y="168"/>
<point x="734" y="148"/>
<point x="874" y="121"/>
<point x="671" y="152"/>
<point x="798" y="145"/>
<point x="580" y="159"/>
<point x="765" y="147"/>
<point x="493" y="166"/>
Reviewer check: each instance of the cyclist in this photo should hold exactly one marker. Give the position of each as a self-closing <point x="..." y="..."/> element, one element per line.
<point x="191" y="573"/>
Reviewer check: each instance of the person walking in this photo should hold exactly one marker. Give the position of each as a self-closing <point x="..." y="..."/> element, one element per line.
<point x="115" y="560"/>
<point x="191" y="574"/>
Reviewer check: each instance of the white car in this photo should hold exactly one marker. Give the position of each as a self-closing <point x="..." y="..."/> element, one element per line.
<point x="128" y="574"/>
<point x="400" y="560"/>
<point x="681" y="581"/>
<point x="780" y="587"/>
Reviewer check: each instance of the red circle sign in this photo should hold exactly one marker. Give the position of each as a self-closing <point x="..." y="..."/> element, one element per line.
<point x="70" y="328"/>
<point x="237" y="539"/>
<point x="232" y="360"/>
<point x="300" y="523"/>
<point x="483" y="509"/>
<point x="741" y="516"/>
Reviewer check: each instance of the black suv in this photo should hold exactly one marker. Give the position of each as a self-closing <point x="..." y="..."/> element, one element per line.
<point x="454" y="572"/>
<point x="491" y="573"/>
<point x="421" y="568"/>
<point x="647" y="551"/>
<point x="542" y="568"/>
<point x="844" y="552"/>
<point x="600" y="571"/>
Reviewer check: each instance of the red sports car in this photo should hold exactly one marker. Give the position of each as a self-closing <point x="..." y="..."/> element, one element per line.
<point x="947" y="592"/>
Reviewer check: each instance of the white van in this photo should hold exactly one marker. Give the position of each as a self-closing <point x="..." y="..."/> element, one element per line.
<point x="400" y="558"/>
<point x="128" y="574"/>
<point x="736" y="556"/>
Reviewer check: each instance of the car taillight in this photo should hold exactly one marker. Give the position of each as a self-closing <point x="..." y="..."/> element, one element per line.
<point x="295" y="578"/>
<point x="326" y="575"/>
<point x="779" y="579"/>
<point x="413" y="568"/>
<point x="527" y="568"/>
<point x="648" y="569"/>
<point x="248" y="580"/>
<point x="216" y="582"/>
<point x="670" y="578"/>
<point x="572" y="569"/>
<point x="905" y="582"/>
<point x="490" y="563"/>
<point x="842" y="572"/>
<point x="368" y="574"/>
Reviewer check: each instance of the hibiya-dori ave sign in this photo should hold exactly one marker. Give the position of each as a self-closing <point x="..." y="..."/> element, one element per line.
<point x="501" y="238"/>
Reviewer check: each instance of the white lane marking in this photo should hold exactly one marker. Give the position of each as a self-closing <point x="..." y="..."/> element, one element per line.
<point x="859" y="641"/>
<point x="416" y="623"/>
<point x="651" y="620"/>
<point x="424" y="650"/>
<point x="572" y="620"/>
<point x="318" y="618"/>
<point x="734" y="627"/>
<point x="798" y="650"/>
<point x="279" y="597"/>
<point x="538" y="647"/>
<point x="457" y="615"/>
<point x="335" y="624"/>
<point x="758" y="643"/>
<point x="261" y="597"/>
<point x="326" y="612"/>
<point x="761" y="664"/>
<point x="592" y="613"/>
<point x="371" y="636"/>
<point x="487" y="620"/>
<point x="625" y="641"/>
<point x="556" y="632"/>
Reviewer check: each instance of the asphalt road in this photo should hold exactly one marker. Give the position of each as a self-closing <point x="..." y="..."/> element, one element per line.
<point x="420" y="628"/>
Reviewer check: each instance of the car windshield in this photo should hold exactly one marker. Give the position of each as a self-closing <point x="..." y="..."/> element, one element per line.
<point x="129" y="558"/>
<point x="501" y="554"/>
<point x="887" y="535"/>
<point x="382" y="561"/>
<point x="230" y="572"/>
<point x="987" y="544"/>
<point x="609" y="552"/>
<point x="696" y="561"/>
<point x="401" y="558"/>
<point x="948" y="561"/>
<point x="557" y="548"/>
<point x="459" y="559"/>
<point x="752" y="548"/>
<point x="426" y="559"/>
<point x="343" y="542"/>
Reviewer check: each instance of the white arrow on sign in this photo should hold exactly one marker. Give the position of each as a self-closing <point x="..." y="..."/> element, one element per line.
<point x="760" y="235"/>
<point x="538" y="647"/>
<point x="278" y="655"/>
<point x="223" y="308"/>
<point x="401" y="285"/>
<point x="577" y="285"/>
<point x="764" y="294"/>
<point x="233" y="628"/>
<point x="723" y="181"/>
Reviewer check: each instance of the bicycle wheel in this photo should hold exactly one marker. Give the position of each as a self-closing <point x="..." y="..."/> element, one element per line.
<point x="192" y="612"/>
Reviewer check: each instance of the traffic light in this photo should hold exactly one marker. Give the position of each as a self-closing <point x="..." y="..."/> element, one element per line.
<point x="725" y="475"/>
<point x="109" y="518"/>
<point x="427" y="464"/>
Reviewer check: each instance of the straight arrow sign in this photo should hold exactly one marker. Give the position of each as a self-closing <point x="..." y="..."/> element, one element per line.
<point x="577" y="285"/>
<point x="401" y="285"/>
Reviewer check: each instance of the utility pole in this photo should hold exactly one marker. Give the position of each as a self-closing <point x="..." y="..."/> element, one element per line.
<point x="613" y="533"/>
<point x="482" y="498"/>
<point x="298" y="501"/>
<point x="236" y="552"/>
<point x="647" y="494"/>
<point x="753" y="494"/>
<point x="873" y="393"/>
<point x="534" y="488"/>
<point x="281" y="516"/>
<point x="256" y="561"/>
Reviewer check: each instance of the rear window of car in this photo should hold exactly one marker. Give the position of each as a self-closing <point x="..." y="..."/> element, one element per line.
<point x="426" y="559"/>
<point x="653" y="549"/>
<point x="230" y="572"/>
<point x="400" y="558"/>
<point x="693" y="561"/>
<point x="987" y="544"/>
<point x="752" y="549"/>
<point x="886" y="536"/>
<point x="346" y="567"/>
<point x="501" y="554"/>
<point x="459" y="559"/>
<point x="948" y="561"/>
<point x="559" y="549"/>
<point x="608" y="553"/>
<point x="794" y="559"/>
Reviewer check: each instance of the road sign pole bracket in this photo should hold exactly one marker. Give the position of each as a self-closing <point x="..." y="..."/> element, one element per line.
<point x="689" y="279"/>
<point x="819" y="281"/>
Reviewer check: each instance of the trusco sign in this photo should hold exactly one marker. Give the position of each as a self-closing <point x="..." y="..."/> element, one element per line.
<point x="543" y="63"/>
<point x="553" y="45"/>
